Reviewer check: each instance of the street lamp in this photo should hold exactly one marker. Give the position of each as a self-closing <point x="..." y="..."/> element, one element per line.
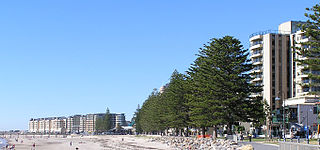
<point x="308" y="126"/>
<point x="283" y="115"/>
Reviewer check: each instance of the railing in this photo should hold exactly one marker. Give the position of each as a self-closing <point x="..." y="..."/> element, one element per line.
<point x="297" y="146"/>
<point x="256" y="43"/>
<point x="269" y="31"/>
<point x="257" y="52"/>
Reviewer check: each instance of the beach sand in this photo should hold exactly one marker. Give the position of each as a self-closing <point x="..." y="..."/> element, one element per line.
<point x="105" y="142"/>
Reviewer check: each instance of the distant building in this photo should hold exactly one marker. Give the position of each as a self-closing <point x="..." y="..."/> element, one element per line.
<point x="117" y="119"/>
<point x="48" y="125"/>
<point x="91" y="119"/>
<point x="73" y="124"/>
<point x="162" y="88"/>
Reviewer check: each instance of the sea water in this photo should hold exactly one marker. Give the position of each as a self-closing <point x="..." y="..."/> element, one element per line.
<point x="3" y="143"/>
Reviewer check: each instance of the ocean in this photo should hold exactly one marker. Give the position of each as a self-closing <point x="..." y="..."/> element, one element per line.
<point x="3" y="143"/>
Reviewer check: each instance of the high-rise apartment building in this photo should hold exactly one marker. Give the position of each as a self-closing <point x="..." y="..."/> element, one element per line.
<point x="273" y="55"/>
<point x="271" y="59"/>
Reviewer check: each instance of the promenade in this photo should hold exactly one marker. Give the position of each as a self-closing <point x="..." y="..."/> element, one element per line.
<point x="261" y="146"/>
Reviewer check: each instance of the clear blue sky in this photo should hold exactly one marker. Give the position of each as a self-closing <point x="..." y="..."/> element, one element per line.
<point x="60" y="58"/>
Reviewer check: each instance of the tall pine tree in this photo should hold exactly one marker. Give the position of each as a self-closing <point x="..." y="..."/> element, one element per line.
<point x="220" y="86"/>
<point x="174" y="102"/>
<point x="107" y="120"/>
<point x="310" y="51"/>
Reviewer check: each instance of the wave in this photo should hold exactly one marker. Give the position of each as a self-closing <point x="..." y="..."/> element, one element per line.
<point x="3" y="142"/>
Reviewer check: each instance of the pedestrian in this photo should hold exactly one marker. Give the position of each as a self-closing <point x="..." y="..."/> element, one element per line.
<point x="250" y="136"/>
<point x="71" y="143"/>
<point x="34" y="146"/>
<point x="241" y="137"/>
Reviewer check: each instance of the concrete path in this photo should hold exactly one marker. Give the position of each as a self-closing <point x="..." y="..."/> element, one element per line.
<point x="261" y="146"/>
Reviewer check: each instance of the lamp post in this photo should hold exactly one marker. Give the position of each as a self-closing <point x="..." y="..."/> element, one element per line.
<point x="308" y="125"/>
<point x="283" y="117"/>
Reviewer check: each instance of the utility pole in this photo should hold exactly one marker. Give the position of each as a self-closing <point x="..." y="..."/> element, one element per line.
<point x="283" y="115"/>
<point x="283" y="120"/>
<point x="307" y="128"/>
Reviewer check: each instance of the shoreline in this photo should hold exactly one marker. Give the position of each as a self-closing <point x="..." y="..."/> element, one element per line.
<point x="3" y="142"/>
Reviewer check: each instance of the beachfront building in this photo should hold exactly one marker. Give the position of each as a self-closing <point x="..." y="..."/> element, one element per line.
<point x="47" y="125"/>
<point x="272" y="59"/>
<point x="90" y="123"/>
<point x="69" y="124"/>
<point x="58" y="125"/>
<point x="73" y="124"/>
<point x="117" y="119"/>
<point x="272" y="54"/>
<point x="90" y="126"/>
<point x="34" y="125"/>
<point x="77" y="124"/>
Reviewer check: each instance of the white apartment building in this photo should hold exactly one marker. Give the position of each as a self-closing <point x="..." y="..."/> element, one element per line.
<point x="271" y="58"/>
<point x="47" y="125"/>
<point x="272" y="54"/>
<point x="34" y="125"/>
<point x="73" y="124"/>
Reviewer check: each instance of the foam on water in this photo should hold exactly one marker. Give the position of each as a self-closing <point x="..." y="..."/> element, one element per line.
<point x="3" y="142"/>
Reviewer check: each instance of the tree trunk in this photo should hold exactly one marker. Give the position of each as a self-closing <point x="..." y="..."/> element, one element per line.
<point x="215" y="134"/>
<point x="187" y="132"/>
<point x="176" y="132"/>
<point x="229" y="129"/>
<point x="203" y="132"/>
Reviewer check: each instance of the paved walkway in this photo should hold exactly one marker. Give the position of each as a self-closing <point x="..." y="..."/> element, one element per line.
<point x="261" y="146"/>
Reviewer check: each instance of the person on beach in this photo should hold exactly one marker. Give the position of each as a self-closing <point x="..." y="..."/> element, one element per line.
<point x="250" y="136"/>
<point x="34" y="146"/>
<point x="13" y="146"/>
<point x="241" y="137"/>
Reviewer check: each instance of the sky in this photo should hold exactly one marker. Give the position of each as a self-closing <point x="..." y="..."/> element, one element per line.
<point x="61" y="58"/>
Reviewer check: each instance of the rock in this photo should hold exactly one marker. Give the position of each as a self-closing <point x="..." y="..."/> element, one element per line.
<point x="246" y="147"/>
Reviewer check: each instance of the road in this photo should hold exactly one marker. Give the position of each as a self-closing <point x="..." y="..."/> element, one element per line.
<point x="261" y="146"/>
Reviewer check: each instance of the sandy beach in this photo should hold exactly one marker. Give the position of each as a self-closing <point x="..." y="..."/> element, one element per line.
<point x="105" y="142"/>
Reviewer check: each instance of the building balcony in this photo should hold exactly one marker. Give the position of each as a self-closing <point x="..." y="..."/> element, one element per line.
<point x="257" y="79"/>
<point x="304" y="40"/>
<point x="257" y="70"/>
<point x="257" y="62"/>
<point x="256" y="55"/>
<point x="255" y="94"/>
<point x="302" y="75"/>
<point x="256" y="37"/>
<point x="256" y="46"/>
